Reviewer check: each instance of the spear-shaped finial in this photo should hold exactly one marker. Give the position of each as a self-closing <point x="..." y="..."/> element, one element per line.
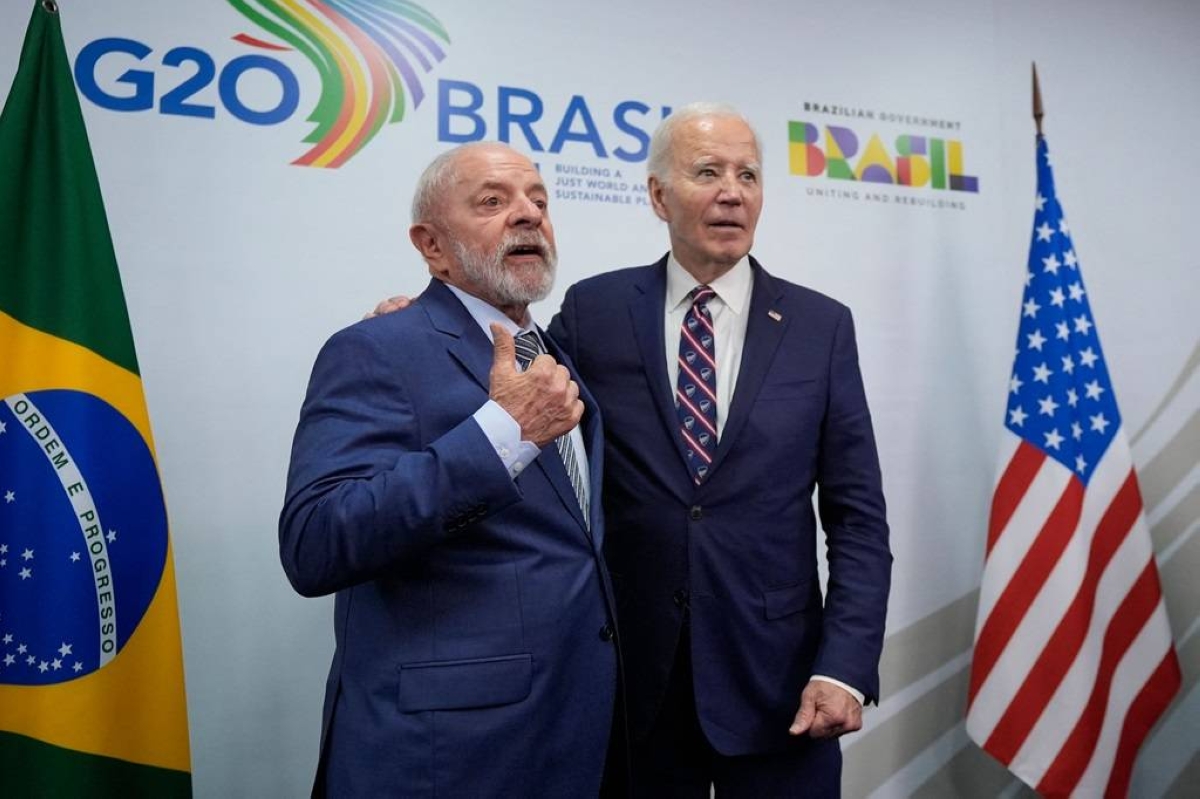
<point x="1038" y="113"/>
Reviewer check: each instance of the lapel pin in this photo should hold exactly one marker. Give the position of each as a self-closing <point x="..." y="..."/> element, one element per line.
<point x="778" y="317"/>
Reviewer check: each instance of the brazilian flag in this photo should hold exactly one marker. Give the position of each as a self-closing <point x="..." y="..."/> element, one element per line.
<point x="91" y="674"/>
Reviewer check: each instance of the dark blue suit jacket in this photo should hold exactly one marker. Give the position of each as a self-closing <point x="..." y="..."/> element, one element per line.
<point x="473" y="648"/>
<point x="740" y="550"/>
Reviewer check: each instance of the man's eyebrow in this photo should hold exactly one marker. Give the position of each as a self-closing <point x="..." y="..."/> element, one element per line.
<point x="709" y="160"/>
<point x="535" y="188"/>
<point x="497" y="185"/>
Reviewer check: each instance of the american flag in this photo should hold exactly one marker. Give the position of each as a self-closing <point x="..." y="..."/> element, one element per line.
<point x="1074" y="660"/>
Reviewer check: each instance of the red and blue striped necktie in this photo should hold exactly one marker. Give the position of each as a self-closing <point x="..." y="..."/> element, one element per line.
<point x="696" y="390"/>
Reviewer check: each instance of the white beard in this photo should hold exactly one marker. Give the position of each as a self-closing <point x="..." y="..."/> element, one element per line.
<point x="504" y="286"/>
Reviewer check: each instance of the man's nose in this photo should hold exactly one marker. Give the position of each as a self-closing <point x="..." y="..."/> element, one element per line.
<point x="731" y="192"/>
<point x="527" y="213"/>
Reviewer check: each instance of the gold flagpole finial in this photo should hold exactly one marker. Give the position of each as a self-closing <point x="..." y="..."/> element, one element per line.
<point x="1038" y="113"/>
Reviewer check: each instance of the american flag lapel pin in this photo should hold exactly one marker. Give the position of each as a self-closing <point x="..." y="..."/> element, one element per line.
<point x="776" y="315"/>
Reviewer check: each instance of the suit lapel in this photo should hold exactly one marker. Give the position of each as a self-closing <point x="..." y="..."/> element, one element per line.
<point x="593" y="439"/>
<point x="764" y="330"/>
<point x="589" y="427"/>
<point x="647" y="311"/>
<point x="469" y="345"/>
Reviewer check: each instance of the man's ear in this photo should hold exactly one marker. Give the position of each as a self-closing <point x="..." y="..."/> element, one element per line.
<point x="432" y="245"/>
<point x="656" y="189"/>
<point x="425" y="238"/>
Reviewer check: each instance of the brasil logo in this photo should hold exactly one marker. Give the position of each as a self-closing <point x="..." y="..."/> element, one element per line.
<point x="917" y="161"/>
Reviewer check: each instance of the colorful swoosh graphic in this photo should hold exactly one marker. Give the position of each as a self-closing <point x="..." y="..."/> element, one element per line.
<point x="368" y="54"/>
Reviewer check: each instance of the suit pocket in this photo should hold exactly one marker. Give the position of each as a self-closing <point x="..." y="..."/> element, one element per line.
<point x="786" y="601"/>
<point x="461" y="684"/>
<point x="789" y="389"/>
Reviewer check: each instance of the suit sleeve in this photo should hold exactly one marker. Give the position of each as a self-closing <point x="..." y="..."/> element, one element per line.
<point x="853" y="515"/>
<point x="364" y="495"/>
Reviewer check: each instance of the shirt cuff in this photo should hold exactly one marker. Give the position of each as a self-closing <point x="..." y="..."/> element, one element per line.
<point x="505" y="436"/>
<point x="852" y="691"/>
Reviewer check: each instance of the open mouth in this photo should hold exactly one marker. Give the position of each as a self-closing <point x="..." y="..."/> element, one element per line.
<point x="526" y="250"/>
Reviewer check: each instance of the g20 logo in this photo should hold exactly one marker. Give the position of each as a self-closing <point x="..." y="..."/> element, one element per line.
<point x="196" y="70"/>
<point x="368" y="68"/>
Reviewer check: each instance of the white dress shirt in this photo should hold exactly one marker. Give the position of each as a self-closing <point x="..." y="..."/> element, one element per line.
<point x="729" y="310"/>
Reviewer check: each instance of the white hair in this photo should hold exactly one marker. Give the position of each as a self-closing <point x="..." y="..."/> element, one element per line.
<point x="658" y="163"/>
<point x="441" y="173"/>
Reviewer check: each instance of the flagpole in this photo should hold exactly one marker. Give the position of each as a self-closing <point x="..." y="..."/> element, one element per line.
<point x="1038" y="112"/>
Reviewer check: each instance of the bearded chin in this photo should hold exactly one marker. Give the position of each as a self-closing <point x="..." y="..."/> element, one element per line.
<point x="505" y="286"/>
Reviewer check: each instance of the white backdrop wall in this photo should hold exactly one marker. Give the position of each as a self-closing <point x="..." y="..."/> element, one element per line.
<point x="237" y="265"/>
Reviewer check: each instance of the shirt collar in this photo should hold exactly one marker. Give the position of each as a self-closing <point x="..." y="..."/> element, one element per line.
<point x="484" y="314"/>
<point x="733" y="287"/>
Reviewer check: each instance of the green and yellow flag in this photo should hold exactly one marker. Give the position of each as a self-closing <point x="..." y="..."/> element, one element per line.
<point x="91" y="673"/>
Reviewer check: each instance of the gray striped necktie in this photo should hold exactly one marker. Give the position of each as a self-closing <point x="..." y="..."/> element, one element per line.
<point x="528" y="347"/>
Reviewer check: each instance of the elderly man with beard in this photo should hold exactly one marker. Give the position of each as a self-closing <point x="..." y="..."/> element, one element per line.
<point x="444" y="484"/>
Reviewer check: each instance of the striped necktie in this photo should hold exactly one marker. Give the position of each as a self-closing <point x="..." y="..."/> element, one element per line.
<point x="529" y="346"/>
<point x="696" y="390"/>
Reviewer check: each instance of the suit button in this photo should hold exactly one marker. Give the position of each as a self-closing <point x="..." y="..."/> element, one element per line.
<point x="697" y="513"/>
<point x="606" y="633"/>
<point x="681" y="598"/>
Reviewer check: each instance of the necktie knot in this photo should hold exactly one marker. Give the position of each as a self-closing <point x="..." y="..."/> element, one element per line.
<point x="528" y="346"/>
<point x="701" y="295"/>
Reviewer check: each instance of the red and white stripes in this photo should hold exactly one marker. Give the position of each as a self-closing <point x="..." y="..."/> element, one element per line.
<point x="1073" y="654"/>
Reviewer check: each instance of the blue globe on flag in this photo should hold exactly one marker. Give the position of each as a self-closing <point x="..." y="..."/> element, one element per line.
<point x="83" y="535"/>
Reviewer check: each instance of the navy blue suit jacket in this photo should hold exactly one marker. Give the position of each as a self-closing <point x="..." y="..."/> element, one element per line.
<point x="740" y="549"/>
<point x="473" y="653"/>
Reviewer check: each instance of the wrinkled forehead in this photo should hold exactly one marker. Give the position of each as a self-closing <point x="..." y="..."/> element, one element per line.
<point x="496" y="167"/>
<point x="716" y="139"/>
